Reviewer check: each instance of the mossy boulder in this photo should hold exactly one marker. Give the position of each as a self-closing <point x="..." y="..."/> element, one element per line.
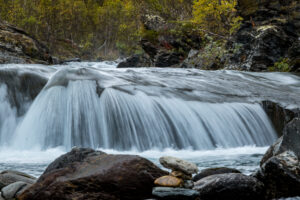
<point x="16" y="46"/>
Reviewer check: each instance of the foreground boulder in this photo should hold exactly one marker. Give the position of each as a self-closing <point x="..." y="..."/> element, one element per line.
<point x="169" y="193"/>
<point x="288" y="142"/>
<point x="213" y="171"/>
<point x="281" y="176"/>
<point x="16" y="46"/>
<point x="280" y="166"/>
<point x="8" y="177"/>
<point x="229" y="187"/>
<point x="90" y="175"/>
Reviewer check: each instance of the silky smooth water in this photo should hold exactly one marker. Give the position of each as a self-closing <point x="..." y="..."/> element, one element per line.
<point x="210" y="118"/>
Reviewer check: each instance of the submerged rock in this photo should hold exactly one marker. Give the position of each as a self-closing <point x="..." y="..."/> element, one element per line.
<point x="168" y="193"/>
<point x="177" y="164"/>
<point x="230" y="186"/>
<point x="169" y="181"/>
<point x="213" y="171"/>
<point x="90" y="175"/>
<point x="8" y="177"/>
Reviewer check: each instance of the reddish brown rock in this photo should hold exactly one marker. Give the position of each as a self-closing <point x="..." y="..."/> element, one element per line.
<point x="169" y="181"/>
<point x="95" y="175"/>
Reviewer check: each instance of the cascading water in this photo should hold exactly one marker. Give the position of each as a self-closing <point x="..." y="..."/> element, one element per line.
<point x="71" y="112"/>
<point x="212" y="118"/>
<point x="8" y="117"/>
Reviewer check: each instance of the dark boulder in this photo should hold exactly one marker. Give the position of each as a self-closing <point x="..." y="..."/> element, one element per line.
<point x="169" y="193"/>
<point x="281" y="176"/>
<point x="166" y="59"/>
<point x="70" y="60"/>
<point x="279" y="115"/>
<point x="90" y="175"/>
<point x="288" y="142"/>
<point x="136" y="61"/>
<point x="213" y="171"/>
<point x="76" y="155"/>
<point x="280" y="166"/>
<point x="230" y="186"/>
<point x="16" y="46"/>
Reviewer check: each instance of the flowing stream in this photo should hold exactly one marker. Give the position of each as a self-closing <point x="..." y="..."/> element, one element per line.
<point x="210" y="118"/>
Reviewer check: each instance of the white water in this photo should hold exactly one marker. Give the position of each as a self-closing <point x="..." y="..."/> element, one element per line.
<point x="245" y="159"/>
<point x="210" y="118"/>
<point x="8" y="117"/>
<point x="76" y="116"/>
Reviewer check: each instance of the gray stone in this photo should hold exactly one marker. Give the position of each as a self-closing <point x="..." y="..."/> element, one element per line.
<point x="9" y="192"/>
<point x="189" y="184"/>
<point x="213" y="171"/>
<point x="167" y="193"/>
<point x="281" y="175"/>
<point x="288" y="142"/>
<point x="1" y="198"/>
<point x="177" y="164"/>
<point x="231" y="186"/>
<point x="8" y="177"/>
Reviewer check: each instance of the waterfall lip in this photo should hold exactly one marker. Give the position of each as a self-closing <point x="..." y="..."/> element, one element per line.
<point x="66" y="74"/>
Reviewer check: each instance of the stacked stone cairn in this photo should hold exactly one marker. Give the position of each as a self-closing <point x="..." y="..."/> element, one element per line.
<point x="178" y="182"/>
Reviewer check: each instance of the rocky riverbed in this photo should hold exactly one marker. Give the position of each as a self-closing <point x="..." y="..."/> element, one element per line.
<point x="89" y="174"/>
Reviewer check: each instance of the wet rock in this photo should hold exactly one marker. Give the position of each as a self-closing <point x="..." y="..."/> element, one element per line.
<point x="71" y="60"/>
<point x="22" y="87"/>
<point x="136" y="61"/>
<point x="181" y="175"/>
<point x="229" y="186"/>
<point x="177" y="164"/>
<point x="281" y="175"/>
<point x="167" y="193"/>
<point x="16" y="46"/>
<point x="11" y="191"/>
<point x="213" y="171"/>
<point x="279" y="115"/>
<point x="169" y="181"/>
<point x="92" y="175"/>
<point x="189" y="184"/>
<point x="288" y="142"/>
<point x="166" y="59"/>
<point x="75" y="155"/>
<point x="8" y="177"/>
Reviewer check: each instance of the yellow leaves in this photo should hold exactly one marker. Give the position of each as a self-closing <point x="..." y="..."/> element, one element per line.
<point x="218" y="16"/>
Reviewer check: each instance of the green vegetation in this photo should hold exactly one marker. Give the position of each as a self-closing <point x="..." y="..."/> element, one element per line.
<point x="109" y="28"/>
<point x="281" y="66"/>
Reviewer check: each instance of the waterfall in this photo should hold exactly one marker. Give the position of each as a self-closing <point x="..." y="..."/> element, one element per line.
<point x="76" y="114"/>
<point x="8" y="116"/>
